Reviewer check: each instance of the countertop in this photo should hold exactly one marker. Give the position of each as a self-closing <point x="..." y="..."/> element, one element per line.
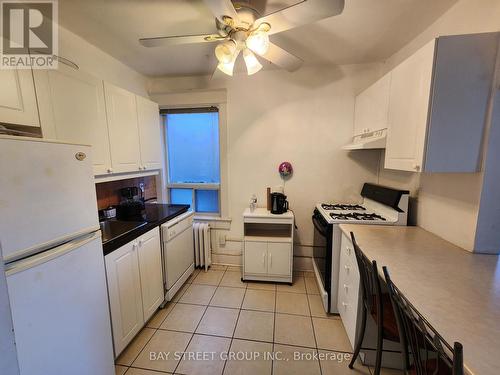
<point x="152" y="216"/>
<point x="458" y="292"/>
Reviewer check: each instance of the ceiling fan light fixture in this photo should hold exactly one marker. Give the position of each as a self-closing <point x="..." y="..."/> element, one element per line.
<point x="258" y="42"/>
<point x="253" y="65"/>
<point x="228" y="68"/>
<point x="225" y="51"/>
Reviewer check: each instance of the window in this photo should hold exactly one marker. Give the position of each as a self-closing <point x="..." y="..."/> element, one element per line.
<point x="193" y="155"/>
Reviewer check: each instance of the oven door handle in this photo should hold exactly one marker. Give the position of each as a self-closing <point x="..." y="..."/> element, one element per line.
<point x="318" y="227"/>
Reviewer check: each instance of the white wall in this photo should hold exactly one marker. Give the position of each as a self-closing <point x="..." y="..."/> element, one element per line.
<point x="304" y="118"/>
<point x="98" y="63"/>
<point x="446" y="204"/>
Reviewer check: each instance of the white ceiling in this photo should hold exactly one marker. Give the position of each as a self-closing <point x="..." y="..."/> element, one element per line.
<point x="367" y="31"/>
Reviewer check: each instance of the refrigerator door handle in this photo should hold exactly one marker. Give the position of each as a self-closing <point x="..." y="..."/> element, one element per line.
<point x="56" y="252"/>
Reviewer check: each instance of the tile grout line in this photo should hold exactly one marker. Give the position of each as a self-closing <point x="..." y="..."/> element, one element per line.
<point x="155" y="330"/>
<point x="313" y="330"/>
<point x="234" y="330"/>
<point x="204" y="312"/>
<point x="274" y="323"/>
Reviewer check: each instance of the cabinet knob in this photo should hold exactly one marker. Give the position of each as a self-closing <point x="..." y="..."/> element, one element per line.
<point x="110" y="170"/>
<point x="271" y="259"/>
<point x="141" y="242"/>
<point x="144" y="167"/>
<point x="344" y="304"/>
<point x="347" y="268"/>
<point x="346" y="287"/>
<point x="348" y="250"/>
<point x="263" y="258"/>
<point x="416" y="167"/>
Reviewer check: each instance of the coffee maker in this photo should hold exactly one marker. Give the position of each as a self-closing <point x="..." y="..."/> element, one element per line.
<point x="131" y="205"/>
<point x="279" y="204"/>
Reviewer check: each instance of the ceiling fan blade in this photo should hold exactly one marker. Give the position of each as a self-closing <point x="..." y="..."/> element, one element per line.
<point x="302" y="13"/>
<point x="176" y="40"/>
<point x="222" y="8"/>
<point x="278" y="56"/>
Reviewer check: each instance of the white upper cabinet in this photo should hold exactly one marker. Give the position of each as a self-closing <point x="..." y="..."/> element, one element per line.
<point x="121" y="110"/>
<point x="372" y="107"/>
<point x="148" y="118"/>
<point x="17" y="98"/>
<point x="439" y="103"/>
<point x="72" y="109"/>
<point x="409" y="98"/>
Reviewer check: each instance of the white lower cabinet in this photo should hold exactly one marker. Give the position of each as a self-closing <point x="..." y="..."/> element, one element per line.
<point x="135" y="286"/>
<point x="255" y="257"/>
<point x="149" y="252"/>
<point x="268" y="259"/>
<point x="279" y="256"/>
<point x="349" y="284"/>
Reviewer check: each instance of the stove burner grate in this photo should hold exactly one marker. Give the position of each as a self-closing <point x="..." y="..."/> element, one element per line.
<point x="343" y="207"/>
<point x="356" y="216"/>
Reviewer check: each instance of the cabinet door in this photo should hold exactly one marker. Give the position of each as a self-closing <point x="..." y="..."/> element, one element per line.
<point x="151" y="272"/>
<point x="372" y="107"/>
<point x="255" y="257"/>
<point x="17" y="98"/>
<point x="408" y="111"/>
<point x="279" y="258"/>
<point x="125" y="302"/>
<point x="148" y="119"/>
<point x="72" y="109"/>
<point x="121" y="110"/>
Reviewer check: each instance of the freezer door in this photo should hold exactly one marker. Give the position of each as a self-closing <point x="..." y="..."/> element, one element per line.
<point x="60" y="311"/>
<point x="47" y="195"/>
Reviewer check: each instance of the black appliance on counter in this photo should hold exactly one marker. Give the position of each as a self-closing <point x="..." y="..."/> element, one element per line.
<point x="279" y="204"/>
<point x="132" y="206"/>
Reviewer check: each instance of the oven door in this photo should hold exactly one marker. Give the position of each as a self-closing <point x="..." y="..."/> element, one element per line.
<point x="322" y="253"/>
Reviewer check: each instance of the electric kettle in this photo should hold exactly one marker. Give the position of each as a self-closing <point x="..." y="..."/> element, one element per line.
<point x="279" y="204"/>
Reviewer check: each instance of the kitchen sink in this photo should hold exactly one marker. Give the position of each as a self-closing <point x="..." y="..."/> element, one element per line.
<point x="112" y="229"/>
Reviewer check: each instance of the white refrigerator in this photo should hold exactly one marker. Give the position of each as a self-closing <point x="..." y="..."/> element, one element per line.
<point x="54" y="264"/>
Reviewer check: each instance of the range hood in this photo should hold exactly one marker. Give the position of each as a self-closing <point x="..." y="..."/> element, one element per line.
<point x="368" y="141"/>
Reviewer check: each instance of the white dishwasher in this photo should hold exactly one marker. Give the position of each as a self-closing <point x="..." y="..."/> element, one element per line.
<point x="178" y="252"/>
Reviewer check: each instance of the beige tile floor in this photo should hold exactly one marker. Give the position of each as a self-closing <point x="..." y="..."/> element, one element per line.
<point x="215" y="312"/>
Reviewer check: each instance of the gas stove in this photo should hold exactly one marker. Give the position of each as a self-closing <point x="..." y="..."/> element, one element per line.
<point x="379" y="205"/>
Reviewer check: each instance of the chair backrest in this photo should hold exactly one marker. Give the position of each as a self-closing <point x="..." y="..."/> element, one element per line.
<point x="430" y="353"/>
<point x="369" y="280"/>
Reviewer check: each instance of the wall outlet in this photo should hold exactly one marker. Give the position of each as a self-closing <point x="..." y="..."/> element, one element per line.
<point x="222" y="239"/>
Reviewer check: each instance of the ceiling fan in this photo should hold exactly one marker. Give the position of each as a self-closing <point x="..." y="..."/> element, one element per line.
<point x="242" y="29"/>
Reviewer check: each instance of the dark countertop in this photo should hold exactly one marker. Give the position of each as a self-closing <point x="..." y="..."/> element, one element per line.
<point x="116" y="233"/>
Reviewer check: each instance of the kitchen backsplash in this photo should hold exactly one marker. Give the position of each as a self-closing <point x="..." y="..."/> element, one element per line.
<point x="108" y="193"/>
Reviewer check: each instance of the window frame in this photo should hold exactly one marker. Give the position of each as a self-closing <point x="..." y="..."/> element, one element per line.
<point x="220" y="187"/>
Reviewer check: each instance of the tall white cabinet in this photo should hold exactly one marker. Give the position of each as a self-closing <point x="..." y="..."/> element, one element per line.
<point x="72" y="109"/>
<point x="438" y="105"/>
<point x="17" y="98"/>
<point x="372" y="107"/>
<point x="135" y="286"/>
<point x="121" y="110"/>
<point x="148" y="119"/>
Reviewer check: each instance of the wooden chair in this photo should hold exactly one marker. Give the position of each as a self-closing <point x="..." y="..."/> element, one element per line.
<point x="375" y="303"/>
<point x="428" y="351"/>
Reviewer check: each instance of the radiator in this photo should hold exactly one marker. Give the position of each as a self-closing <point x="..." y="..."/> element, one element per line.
<point x="202" y="253"/>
